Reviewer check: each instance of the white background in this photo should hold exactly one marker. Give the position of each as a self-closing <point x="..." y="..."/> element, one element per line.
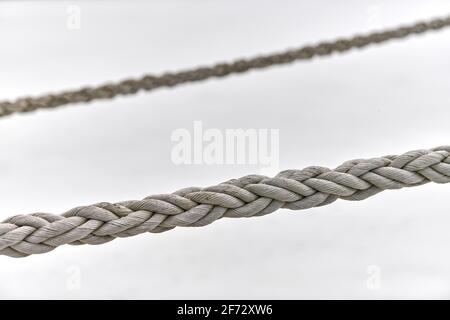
<point x="387" y="99"/>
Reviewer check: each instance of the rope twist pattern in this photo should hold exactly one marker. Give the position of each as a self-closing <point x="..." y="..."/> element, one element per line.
<point x="249" y="196"/>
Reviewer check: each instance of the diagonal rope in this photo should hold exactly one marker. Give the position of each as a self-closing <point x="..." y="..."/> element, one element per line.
<point x="249" y="196"/>
<point x="151" y="82"/>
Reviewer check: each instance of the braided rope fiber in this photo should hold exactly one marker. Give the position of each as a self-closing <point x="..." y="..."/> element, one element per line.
<point x="249" y="196"/>
<point x="151" y="82"/>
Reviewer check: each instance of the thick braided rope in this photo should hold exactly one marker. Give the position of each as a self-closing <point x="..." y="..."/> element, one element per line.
<point x="249" y="196"/>
<point x="151" y="82"/>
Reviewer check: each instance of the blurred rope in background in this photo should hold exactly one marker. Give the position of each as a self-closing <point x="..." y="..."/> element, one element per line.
<point x="151" y="82"/>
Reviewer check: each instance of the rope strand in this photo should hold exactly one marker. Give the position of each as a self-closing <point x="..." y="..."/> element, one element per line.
<point x="249" y="196"/>
<point x="151" y="82"/>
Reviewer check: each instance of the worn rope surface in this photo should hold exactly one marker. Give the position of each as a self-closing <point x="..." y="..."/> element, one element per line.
<point x="249" y="196"/>
<point x="150" y="82"/>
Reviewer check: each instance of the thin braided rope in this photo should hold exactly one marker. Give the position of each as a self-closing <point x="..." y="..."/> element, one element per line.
<point x="151" y="82"/>
<point x="249" y="196"/>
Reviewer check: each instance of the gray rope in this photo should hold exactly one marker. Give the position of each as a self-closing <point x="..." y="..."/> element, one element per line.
<point x="151" y="82"/>
<point x="249" y="196"/>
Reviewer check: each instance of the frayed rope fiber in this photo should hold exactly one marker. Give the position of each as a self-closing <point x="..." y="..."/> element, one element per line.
<point x="249" y="196"/>
<point x="151" y="82"/>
